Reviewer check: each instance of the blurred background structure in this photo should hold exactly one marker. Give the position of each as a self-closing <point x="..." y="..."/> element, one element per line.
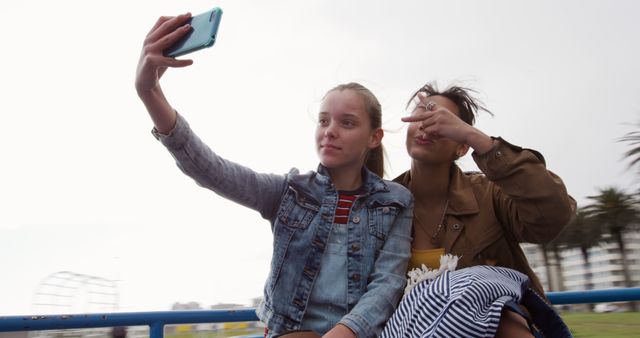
<point x="70" y="292"/>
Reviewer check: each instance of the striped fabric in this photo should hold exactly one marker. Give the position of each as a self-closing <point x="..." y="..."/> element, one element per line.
<point x="466" y="303"/>
<point x="345" y="201"/>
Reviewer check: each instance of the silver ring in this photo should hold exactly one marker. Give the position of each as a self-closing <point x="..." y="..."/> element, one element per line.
<point x="430" y="106"/>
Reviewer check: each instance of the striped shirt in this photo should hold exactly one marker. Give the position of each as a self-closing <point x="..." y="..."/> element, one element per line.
<point x="468" y="303"/>
<point x="345" y="202"/>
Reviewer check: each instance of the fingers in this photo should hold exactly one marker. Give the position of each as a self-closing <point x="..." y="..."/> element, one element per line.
<point x="428" y="104"/>
<point x="425" y="100"/>
<point x="414" y="118"/>
<point x="428" y="120"/>
<point x="158" y="61"/>
<point x="175" y="63"/>
<point x="165" y="25"/>
<point x="421" y="112"/>
<point x="160" y="21"/>
<point x="168" y="40"/>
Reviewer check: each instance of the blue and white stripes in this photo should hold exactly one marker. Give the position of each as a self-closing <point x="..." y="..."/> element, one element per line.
<point x="462" y="303"/>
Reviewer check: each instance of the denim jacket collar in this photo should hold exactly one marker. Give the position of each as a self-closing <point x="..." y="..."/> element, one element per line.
<point x="371" y="182"/>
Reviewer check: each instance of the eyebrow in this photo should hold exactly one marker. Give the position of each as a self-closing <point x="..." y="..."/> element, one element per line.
<point x="347" y="114"/>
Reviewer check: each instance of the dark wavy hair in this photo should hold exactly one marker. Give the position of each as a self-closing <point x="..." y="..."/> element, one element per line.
<point x="468" y="106"/>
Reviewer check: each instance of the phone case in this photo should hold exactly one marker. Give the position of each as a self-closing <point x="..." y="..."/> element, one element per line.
<point x="204" y="28"/>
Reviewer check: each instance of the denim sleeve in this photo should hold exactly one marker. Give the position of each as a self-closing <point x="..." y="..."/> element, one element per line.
<point x="377" y="304"/>
<point x="235" y="182"/>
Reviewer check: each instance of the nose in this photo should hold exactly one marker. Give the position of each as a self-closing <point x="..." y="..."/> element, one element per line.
<point x="330" y="131"/>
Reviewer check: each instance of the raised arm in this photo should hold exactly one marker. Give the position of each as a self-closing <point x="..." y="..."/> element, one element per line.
<point x="152" y="65"/>
<point x="230" y="180"/>
<point x="529" y="199"/>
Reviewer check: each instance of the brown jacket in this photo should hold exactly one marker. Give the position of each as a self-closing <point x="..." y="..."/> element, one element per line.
<point x="515" y="199"/>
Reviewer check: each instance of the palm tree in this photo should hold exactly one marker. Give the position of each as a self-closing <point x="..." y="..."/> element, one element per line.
<point x="582" y="233"/>
<point x="544" y="248"/>
<point x="554" y="269"/>
<point x="617" y="213"/>
<point x="633" y="154"/>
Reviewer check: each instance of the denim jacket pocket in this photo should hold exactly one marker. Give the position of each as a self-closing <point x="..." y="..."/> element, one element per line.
<point x="297" y="210"/>
<point x="382" y="215"/>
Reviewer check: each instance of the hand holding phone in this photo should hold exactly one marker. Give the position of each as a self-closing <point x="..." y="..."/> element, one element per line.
<point x="204" y="29"/>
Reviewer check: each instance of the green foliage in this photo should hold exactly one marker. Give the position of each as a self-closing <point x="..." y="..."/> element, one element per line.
<point x="614" y="209"/>
<point x="219" y="334"/>
<point x="633" y="154"/>
<point x="582" y="232"/>
<point x="603" y="325"/>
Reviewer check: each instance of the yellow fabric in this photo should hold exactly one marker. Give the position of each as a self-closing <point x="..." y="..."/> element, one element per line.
<point x="430" y="258"/>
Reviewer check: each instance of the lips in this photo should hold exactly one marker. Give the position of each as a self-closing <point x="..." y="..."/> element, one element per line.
<point x="330" y="147"/>
<point x="423" y="140"/>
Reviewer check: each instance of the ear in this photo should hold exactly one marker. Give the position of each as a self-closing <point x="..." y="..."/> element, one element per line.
<point x="462" y="150"/>
<point x="376" y="138"/>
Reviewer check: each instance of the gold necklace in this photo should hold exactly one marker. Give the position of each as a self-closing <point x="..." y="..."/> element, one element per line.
<point x="440" y="225"/>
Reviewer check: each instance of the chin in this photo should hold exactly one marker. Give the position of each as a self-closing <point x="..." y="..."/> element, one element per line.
<point x="418" y="155"/>
<point x="327" y="164"/>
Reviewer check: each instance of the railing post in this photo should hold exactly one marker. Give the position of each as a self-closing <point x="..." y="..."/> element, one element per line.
<point x="156" y="330"/>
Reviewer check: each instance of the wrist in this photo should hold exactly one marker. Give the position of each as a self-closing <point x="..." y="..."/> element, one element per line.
<point x="341" y="331"/>
<point x="479" y="141"/>
<point x="146" y="94"/>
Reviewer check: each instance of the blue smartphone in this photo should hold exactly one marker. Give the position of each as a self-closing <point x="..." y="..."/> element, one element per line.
<point x="204" y="28"/>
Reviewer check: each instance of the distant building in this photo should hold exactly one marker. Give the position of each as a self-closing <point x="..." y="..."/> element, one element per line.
<point x="186" y="306"/>
<point x="186" y="328"/>
<point x="605" y="266"/>
<point x="235" y="325"/>
<point x="222" y="306"/>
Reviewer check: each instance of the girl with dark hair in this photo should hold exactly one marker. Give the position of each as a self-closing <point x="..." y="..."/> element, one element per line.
<point x="474" y="219"/>
<point x="341" y="234"/>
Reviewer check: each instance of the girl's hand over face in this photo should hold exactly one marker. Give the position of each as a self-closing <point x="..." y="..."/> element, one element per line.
<point x="153" y="63"/>
<point x="437" y="121"/>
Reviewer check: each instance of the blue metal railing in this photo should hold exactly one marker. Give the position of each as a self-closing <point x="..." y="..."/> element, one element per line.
<point x="157" y="320"/>
<point x="594" y="296"/>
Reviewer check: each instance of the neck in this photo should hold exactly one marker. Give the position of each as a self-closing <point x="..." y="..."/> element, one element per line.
<point x="430" y="182"/>
<point x="346" y="180"/>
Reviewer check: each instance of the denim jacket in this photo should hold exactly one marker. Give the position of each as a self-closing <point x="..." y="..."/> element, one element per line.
<point x="300" y="208"/>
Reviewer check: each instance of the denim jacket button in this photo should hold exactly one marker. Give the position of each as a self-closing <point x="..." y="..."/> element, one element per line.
<point x="318" y="243"/>
<point x="298" y="302"/>
<point x="356" y="219"/>
<point x="308" y="272"/>
<point x="385" y="210"/>
<point x="355" y="277"/>
<point x="456" y="227"/>
<point x="355" y="247"/>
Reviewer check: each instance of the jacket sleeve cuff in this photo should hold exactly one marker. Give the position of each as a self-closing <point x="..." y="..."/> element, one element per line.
<point x="356" y="324"/>
<point x="177" y="137"/>
<point x="496" y="162"/>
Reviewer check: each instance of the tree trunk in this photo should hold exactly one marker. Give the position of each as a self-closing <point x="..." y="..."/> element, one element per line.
<point x="588" y="285"/>
<point x="547" y="267"/>
<point x="625" y="265"/>
<point x="558" y="266"/>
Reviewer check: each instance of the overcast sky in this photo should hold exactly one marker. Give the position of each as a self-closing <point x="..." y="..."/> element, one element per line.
<point x="84" y="187"/>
